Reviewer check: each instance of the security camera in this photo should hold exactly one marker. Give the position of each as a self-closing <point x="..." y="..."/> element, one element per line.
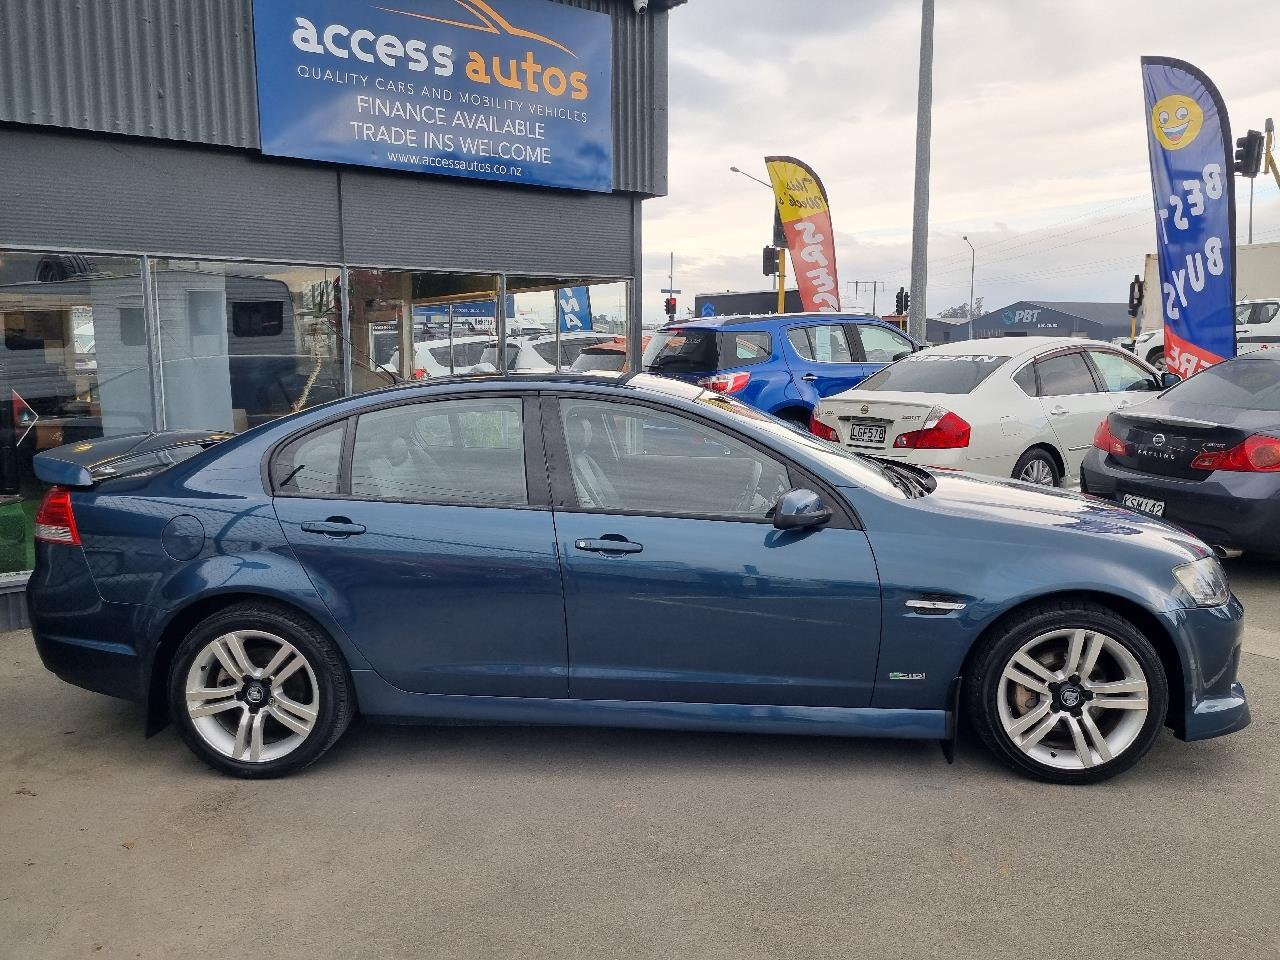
<point x="642" y="6"/>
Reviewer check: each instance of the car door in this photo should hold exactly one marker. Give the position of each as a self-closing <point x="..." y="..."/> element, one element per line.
<point x="1261" y="329"/>
<point x="824" y="359"/>
<point x="1072" y="402"/>
<point x="1126" y="381"/>
<point x="433" y="543"/>
<point x="678" y="588"/>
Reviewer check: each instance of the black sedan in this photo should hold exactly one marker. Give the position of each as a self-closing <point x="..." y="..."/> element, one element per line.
<point x="1204" y="455"/>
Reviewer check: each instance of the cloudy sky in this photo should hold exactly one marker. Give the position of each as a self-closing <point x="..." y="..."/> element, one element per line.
<point x="1039" y="148"/>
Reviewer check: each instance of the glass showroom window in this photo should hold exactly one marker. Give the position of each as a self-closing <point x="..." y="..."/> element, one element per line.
<point x="562" y="324"/>
<point x="73" y="367"/>
<point x="244" y="343"/>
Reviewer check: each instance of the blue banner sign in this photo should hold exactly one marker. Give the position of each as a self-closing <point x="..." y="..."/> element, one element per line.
<point x="1189" y="140"/>
<point x="510" y="90"/>
<point x="573" y="307"/>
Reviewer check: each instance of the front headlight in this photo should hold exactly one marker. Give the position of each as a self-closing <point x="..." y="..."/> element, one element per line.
<point x="1202" y="583"/>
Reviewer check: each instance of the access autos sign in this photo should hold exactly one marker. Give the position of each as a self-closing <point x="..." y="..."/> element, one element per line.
<point x="510" y="90"/>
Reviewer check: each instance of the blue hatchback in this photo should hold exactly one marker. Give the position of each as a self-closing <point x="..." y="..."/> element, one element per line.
<point x="782" y="364"/>
<point x="637" y="552"/>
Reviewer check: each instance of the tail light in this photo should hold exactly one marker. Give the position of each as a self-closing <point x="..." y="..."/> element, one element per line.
<point x="419" y="373"/>
<point x="943" y="430"/>
<point x="55" y="522"/>
<point x="1256" y="454"/>
<point x="821" y="430"/>
<point x="1108" y="442"/>
<point x="726" y="382"/>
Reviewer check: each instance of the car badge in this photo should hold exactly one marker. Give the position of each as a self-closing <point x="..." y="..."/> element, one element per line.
<point x="1158" y="440"/>
<point x="865" y="408"/>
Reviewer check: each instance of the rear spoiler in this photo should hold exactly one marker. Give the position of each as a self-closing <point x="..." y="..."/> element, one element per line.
<point x="83" y="464"/>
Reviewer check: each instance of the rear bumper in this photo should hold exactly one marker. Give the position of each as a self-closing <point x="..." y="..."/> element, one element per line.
<point x="1236" y="510"/>
<point x="79" y="636"/>
<point x="1209" y="641"/>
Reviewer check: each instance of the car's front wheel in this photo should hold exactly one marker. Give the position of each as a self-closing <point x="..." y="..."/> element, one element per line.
<point x="1067" y="692"/>
<point x="258" y="691"/>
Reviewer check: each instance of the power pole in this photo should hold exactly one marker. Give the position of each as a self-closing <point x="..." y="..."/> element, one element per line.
<point x="920" y="217"/>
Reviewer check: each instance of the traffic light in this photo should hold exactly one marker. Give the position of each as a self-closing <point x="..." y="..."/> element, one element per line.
<point x="670" y="306"/>
<point x="906" y="302"/>
<point x="770" y="261"/>
<point x="1136" y="290"/>
<point x="1249" y="154"/>
<point x="900" y="302"/>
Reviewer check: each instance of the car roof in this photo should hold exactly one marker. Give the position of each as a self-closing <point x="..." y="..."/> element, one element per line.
<point x="766" y="319"/>
<point x="1012" y="346"/>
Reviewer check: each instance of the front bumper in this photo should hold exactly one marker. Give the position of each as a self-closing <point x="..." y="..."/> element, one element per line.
<point x="1236" y="510"/>
<point x="1209" y="644"/>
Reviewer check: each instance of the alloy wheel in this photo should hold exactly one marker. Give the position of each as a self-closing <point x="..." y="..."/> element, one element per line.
<point x="1037" y="471"/>
<point x="1073" y="699"/>
<point x="252" y="696"/>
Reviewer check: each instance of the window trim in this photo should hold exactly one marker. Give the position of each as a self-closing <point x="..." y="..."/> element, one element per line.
<point x="564" y="495"/>
<point x="537" y="490"/>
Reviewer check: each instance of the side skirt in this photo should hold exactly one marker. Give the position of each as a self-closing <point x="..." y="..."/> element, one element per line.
<point x="382" y="702"/>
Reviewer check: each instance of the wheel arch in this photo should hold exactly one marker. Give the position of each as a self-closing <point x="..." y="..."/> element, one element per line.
<point x="1144" y="620"/>
<point x="186" y="618"/>
<point x="796" y="412"/>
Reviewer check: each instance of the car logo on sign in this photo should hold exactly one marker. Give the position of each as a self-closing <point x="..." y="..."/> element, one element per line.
<point x="1158" y="440"/>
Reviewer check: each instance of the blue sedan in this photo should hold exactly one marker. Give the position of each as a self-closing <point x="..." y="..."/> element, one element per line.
<point x="635" y="552"/>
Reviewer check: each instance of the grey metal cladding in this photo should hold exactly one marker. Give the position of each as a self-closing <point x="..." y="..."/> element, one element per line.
<point x="129" y="195"/>
<point x="173" y="69"/>
<point x="184" y="70"/>
<point x="392" y="219"/>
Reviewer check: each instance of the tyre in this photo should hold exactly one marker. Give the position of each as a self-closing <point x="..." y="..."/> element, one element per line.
<point x="1067" y="692"/>
<point x="258" y="691"/>
<point x="1156" y="359"/>
<point x="1038" y="466"/>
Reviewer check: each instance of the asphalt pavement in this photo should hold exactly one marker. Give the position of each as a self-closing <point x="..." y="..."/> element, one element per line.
<point x="423" y="842"/>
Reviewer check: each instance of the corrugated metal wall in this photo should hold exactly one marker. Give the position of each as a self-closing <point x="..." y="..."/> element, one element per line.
<point x="183" y="70"/>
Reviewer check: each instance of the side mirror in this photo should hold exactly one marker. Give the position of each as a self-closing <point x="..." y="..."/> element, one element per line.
<point x="1168" y="380"/>
<point x="799" y="510"/>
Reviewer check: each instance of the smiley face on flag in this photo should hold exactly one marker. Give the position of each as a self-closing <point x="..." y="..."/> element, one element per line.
<point x="1176" y="121"/>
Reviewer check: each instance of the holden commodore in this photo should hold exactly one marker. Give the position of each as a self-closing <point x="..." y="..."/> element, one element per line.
<point x="632" y="552"/>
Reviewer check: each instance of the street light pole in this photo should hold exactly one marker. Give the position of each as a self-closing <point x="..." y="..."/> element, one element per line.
<point x="920" y="220"/>
<point x="778" y="243"/>
<point x="973" y="260"/>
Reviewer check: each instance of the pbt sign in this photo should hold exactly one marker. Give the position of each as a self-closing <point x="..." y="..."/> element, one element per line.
<point x="1021" y="316"/>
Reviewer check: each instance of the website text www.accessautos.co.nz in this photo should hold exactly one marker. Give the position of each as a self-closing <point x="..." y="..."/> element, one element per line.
<point x="453" y="163"/>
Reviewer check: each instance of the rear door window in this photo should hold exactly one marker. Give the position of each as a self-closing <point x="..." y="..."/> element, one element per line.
<point x="442" y="451"/>
<point x="1065" y="375"/>
<point x="825" y="343"/>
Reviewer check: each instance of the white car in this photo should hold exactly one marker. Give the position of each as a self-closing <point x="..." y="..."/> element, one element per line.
<point x="431" y="357"/>
<point x="538" y="354"/>
<point x="1021" y="407"/>
<point x="1257" y="328"/>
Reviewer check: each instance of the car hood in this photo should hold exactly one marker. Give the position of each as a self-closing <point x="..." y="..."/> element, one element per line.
<point x="1054" y="512"/>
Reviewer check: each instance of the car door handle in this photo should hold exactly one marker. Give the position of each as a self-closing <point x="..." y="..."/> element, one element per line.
<point x="1059" y="411"/>
<point x="608" y="545"/>
<point x="810" y="377"/>
<point x="333" y="527"/>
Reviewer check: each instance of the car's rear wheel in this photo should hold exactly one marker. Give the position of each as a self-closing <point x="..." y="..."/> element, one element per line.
<point x="1156" y="359"/>
<point x="1068" y="692"/>
<point x="258" y="691"/>
<point x="1037" y="466"/>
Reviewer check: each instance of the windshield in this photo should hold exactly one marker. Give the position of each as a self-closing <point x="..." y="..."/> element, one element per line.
<point x="935" y="373"/>
<point x="604" y="360"/>
<point x="1240" y="384"/>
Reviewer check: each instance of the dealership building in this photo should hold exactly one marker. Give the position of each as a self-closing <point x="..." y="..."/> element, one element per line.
<point x="218" y="212"/>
